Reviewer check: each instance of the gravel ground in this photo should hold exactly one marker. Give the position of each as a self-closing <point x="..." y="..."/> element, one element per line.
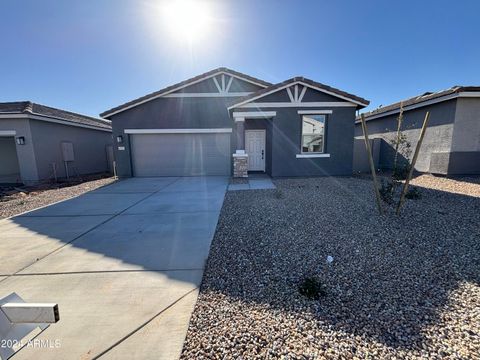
<point x="398" y="287"/>
<point x="46" y="194"/>
<point x="467" y="185"/>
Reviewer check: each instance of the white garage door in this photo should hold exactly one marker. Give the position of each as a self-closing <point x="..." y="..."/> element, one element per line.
<point x="180" y="154"/>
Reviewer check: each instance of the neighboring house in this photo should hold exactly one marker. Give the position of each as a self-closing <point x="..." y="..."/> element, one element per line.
<point x="225" y="122"/>
<point x="39" y="143"/>
<point x="452" y="141"/>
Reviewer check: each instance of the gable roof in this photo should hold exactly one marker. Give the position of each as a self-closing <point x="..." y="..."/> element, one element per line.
<point x="183" y="84"/>
<point x="361" y="102"/>
<point x="422" y="100"/>
<point x="30" y="108"/>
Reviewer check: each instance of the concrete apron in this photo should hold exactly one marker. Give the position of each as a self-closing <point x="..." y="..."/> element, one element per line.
<point x="123" y="262"/>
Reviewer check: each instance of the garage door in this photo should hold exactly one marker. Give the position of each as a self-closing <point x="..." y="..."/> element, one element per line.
<point x="180" y="154"/>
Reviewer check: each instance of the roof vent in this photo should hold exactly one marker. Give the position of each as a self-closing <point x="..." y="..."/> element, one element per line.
<point x="28" y="107"/>
<point x="425" y="94"/>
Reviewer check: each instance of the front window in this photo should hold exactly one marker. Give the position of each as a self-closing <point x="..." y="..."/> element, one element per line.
<point x="313" y="133"/>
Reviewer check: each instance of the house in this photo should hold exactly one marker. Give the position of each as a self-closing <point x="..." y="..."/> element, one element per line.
<point x="39" y="143"/>
<point x="224" y="122"/>
<point x="452" y="141"/>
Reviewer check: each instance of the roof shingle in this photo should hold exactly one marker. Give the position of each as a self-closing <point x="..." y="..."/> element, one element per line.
<point x="180" y="84"/>
<point x="27" y="107"/>
<point x="330" y="89"/>
<point x="420" y="99"/>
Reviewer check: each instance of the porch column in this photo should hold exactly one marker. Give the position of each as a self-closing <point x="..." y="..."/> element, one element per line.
<point x="240" y="158"/>
<point x="240" y="130"/>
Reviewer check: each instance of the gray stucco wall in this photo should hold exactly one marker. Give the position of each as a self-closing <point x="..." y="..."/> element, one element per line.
<point x="285" y="139"/>
<point x="25" y="153"/>
<point x="465" y="150"/>
<point x="9" y="169"/>
<point x="175" y="113"/>
<point x="283" y="135"/>
<point x="286" y="144"/>
<point x="438" y="137"/>
<point x="167" y="113"/>
<point x="89" y="148"/>
<point x="466" y="135"/>
<point x="361" y="162"/>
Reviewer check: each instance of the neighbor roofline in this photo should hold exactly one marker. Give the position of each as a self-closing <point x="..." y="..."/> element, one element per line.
<point x="305" y="82"/>
<point x="181" y="85"/>
<point x="396" y="110"/>
<point x="52" y="119"/>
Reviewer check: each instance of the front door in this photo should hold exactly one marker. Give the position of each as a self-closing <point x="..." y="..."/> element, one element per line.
<point x="255" y="148"/>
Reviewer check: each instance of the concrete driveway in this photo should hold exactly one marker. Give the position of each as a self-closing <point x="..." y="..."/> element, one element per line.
<point x="123" y="262"/>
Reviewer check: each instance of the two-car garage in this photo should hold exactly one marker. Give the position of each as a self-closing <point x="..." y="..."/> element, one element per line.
<point x="183" y="152"/>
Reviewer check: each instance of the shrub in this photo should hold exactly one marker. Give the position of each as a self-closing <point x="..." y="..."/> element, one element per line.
<point x="400" y="172"/>
<point x="312" y="288"/>
<point x="413" y="193"/>
<point x="386" y="191"/>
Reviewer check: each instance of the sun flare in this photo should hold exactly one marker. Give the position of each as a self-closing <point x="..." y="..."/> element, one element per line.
<point x="187" y="19"/>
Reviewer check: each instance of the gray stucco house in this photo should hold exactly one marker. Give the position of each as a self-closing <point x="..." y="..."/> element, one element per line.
<point x="452" y="141"/>
<point x="39" y="143"/>
<point x="224" y="122"/>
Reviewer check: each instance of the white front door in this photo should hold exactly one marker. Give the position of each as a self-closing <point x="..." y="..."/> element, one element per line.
<point x="255" y="148"/>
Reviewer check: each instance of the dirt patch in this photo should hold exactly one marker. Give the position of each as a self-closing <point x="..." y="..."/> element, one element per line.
<point x="16" y="199"/>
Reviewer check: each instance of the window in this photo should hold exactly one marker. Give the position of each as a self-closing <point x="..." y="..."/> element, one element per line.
<point x="313" y="133"/>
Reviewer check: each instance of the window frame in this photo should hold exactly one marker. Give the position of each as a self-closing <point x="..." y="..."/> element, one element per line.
<point x="324" y="149"/>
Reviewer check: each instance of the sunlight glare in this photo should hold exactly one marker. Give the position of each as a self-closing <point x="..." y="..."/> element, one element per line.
<point x="187" y="19"/>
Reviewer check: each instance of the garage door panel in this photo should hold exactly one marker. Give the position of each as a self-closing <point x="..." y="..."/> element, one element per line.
<point x="180" y="154"/>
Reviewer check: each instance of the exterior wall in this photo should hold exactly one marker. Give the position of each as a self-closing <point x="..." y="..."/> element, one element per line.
<point x="9" y="169"/>
<point x="466" y="135"/>
<point x="168" y="113"/>
<point x="286" y="144"/>
<point x="361" y="163"/>
<point x="25" y="153"/>
<point x="89" y="148"/>
<point x="285" y="138"/>
<point x="283" y="133"/>
<point x="465" y="151"/>
<point x="438" y="137"/>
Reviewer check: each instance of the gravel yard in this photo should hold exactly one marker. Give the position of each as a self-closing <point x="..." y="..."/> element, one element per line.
<point x="398" y="287"/>
<point x="13" y="202"/>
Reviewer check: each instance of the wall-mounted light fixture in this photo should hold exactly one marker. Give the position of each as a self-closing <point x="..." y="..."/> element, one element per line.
<point x="20" y="140"/>
<point x="119" y="139"/>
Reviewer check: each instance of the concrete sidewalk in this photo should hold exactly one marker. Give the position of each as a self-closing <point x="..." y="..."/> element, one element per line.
<point x="123" y="262"/>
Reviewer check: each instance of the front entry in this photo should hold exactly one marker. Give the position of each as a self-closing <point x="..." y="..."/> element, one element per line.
<point x="255" y="148"/>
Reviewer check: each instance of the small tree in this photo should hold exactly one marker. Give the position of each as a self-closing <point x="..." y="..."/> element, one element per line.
<point x="390" y="187"/>
<point x="402" y="146"/>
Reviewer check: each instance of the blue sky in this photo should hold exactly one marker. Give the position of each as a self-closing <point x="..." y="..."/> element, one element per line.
<point x="90" y="55"/>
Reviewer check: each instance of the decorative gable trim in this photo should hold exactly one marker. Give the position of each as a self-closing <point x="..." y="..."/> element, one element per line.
<point x="223" y="88"/>
<point x="296" y="91"/>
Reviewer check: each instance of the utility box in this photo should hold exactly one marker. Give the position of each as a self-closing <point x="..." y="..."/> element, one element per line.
<point x="67" y="151"/>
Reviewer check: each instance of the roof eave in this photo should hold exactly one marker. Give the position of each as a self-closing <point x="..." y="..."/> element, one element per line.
<point x="360" y="102"/>
<point x="180" y="85"/>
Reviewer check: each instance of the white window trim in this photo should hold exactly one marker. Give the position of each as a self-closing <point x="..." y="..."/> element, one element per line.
<point x="312" y="155"/>
<point x="178" y="131"/>
<point x="315" y="112"/>
<point x="8" y="133"/>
